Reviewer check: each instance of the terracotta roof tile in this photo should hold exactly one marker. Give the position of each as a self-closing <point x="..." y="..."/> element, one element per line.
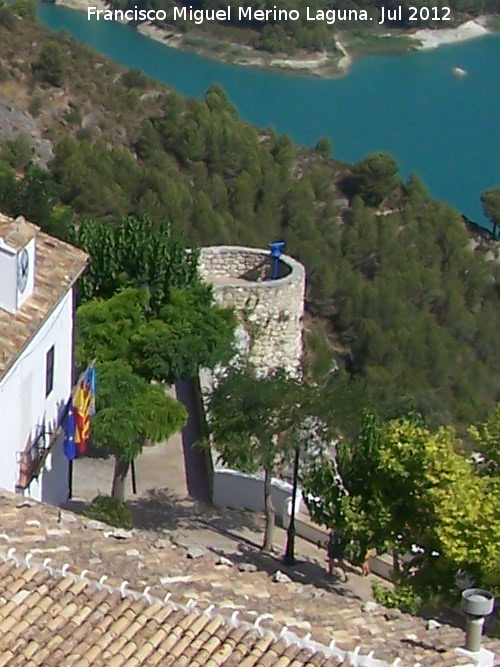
<point x="119" y="639"/>
<point x="16" y="233"/>
<point x="57" y="267"/>
<point x="53" y="614"/>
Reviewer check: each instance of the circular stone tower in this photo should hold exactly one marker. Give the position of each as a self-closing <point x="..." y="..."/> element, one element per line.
<point x="270" y="310"/>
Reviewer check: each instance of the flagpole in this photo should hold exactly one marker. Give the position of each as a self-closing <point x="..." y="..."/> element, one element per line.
<point x="134" y="481"/>
<point x="70" y="479"/>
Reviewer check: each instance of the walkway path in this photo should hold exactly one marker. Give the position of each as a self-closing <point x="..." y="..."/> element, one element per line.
<point x="175" y="465"/>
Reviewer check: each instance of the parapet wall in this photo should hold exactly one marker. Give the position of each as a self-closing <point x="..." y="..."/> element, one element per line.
<point x="270" y="311"/>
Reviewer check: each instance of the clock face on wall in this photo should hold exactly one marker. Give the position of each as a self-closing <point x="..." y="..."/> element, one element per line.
<point x="23" y="264"/>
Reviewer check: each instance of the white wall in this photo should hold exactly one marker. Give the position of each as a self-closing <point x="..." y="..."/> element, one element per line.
<point x="240" y="490"/>
<point x="8" y="284"/>
<point x="24" y="407"/>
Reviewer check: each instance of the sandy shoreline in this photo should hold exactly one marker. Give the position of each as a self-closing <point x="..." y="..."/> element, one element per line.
<point x="432" y="39"/>
<point x="245" y="56"/>
<point x="318" y="64"/>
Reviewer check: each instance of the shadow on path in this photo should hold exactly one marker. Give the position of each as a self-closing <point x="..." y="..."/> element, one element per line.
<point x="160" y="510"/>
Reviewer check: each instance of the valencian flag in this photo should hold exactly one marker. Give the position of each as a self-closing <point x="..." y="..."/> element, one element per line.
<point x="75" y="420"/>
<point x="84" y="408"/>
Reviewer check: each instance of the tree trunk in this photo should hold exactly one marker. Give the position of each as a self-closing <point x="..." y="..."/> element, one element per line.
<point x="395" y="565"/>
<point x="270" y="512"/>
<point x="119" y="477"/>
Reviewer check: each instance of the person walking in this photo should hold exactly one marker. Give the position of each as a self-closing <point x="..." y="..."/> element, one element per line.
<point x="336" y="547"/>
<point x="365" y="565"/>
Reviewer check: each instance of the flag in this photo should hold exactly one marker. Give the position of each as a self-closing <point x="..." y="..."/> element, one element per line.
<point x="90" y="381"/>
<point x="68" y="425"/>
<point x="81" y="407"/>
<point x="84" y="408"/>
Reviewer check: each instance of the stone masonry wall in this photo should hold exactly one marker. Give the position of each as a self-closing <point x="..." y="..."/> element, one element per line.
<point x="270" y="311"/>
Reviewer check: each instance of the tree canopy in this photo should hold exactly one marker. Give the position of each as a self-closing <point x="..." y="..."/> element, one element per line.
<point x="374" y="178"/>
<point x="254" y="423"/>
<point x="407" y="489"/>
<point x="131" y="410"/>
<point x="490" y="199"/>
<point x="190" y="332"/>
<point x="134" y="253"/>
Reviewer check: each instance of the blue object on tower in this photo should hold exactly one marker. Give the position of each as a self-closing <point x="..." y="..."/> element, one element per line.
<point x="276" y="252"/>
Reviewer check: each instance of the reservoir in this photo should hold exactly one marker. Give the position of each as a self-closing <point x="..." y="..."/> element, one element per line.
<point x="442" y="126"/>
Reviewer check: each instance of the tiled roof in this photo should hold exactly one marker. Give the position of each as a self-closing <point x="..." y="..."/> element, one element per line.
<point x="67" y="604"/>
<point x="57" y="266"/>
<point x="16" y="233"/>
<point x="52" y="619"/>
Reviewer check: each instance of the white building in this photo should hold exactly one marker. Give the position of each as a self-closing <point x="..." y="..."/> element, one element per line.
<point x="37" y="277"/>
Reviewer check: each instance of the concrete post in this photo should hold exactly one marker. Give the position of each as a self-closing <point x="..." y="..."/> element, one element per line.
<point x="474" y="632"/>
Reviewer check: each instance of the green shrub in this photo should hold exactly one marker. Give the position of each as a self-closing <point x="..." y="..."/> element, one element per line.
<point x="73" y="115"/>
<point x="51" y="66"/>
<point x="36" y="105"/>
<point x="111" y="511"/>
<point x="134" y="78"/>
<point x="18" y="153"/>
<point x="403" y="597"/>
<point x="26" y="9"/>
<point x="7" y="18"/>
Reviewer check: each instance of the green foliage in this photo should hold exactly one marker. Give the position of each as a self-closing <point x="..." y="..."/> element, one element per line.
<point x="35" y="106"/>
<point x="487" y="437"/>
<point x="250" y="418"/>
<point x="467" y="510"/>
<point x="134" y="78"/>
<point x="490" y="199"/>
<point x="256" y="423"/>
<point x="7" y="18"/>
<point x="135" y="253"/>
<point x="109" y="510"/>
<point x="406" y="486"/>
<point x="118" y="334"/>
<point x="402" y="597"/>
<point x="324" y="147"/>
<point x="360" y="508"/>
<point x="408" y="307"/>
<point x="34" y="195"/>
<point x="190" y="332"/>
<point x="374" y="178"/>
<point x="131" y="410"/>
<point x="26" y="9"/>
<point x="51" y="65"/>
<point x="18" y="153"/>
<point x="105" y="326"/>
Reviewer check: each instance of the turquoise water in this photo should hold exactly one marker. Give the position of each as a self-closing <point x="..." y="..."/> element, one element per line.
<point x="444" y="127"/>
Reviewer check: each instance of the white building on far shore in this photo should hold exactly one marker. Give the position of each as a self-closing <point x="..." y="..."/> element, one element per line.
<point x="37" y="277"/>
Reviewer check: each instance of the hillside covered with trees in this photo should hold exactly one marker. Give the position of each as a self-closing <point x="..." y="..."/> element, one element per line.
<point x="286" y="36"/>
<point x="408" y="302"/>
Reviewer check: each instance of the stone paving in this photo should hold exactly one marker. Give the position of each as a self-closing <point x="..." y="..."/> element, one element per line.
<point x="193" y="553"/>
